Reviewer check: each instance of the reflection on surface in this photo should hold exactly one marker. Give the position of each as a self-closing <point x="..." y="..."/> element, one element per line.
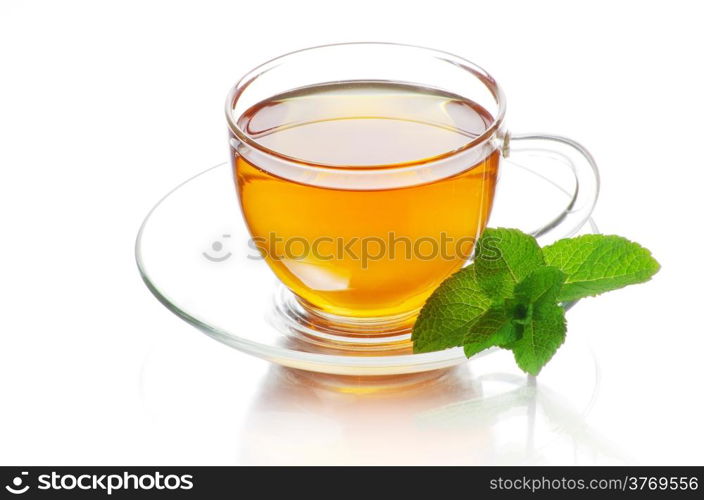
<point x="454" y="416"/>
<point x="210" y="405"/>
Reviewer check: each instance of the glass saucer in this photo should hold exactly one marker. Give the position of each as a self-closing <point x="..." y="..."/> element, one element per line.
<point x="194" y="254"/>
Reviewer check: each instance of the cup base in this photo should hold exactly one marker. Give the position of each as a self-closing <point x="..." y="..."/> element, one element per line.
<point x="302" y="321"/>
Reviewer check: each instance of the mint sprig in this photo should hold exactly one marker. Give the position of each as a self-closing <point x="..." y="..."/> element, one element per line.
<point x="511" y="296"/>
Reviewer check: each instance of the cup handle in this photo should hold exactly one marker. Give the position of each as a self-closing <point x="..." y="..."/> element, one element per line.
<point x="582" y="165"/>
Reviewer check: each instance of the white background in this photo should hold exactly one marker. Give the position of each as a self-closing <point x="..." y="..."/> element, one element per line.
<point x="104" y="106"/>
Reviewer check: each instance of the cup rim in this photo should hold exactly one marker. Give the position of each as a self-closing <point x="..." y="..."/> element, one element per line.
<point x="470" y="67"/>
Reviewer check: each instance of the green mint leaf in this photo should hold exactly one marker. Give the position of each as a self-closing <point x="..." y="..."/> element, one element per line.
<point x="540" y="286"/>
<point x="449" y="312"/>
<point x="493" y="328"/>
<point x="503" y="259"/>
<point x="523" y="323"/>
<point x="596" y="263"/>
<point x="543" y="332"/>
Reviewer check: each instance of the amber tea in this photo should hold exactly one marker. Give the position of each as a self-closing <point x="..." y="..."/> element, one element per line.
<point x="362" y="251"/>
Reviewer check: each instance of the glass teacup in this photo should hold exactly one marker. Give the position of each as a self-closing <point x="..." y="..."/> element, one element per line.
<point x="366" y="172"/>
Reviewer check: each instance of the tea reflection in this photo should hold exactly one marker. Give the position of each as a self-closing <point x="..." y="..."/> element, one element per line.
<point x="450" y="417"/>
